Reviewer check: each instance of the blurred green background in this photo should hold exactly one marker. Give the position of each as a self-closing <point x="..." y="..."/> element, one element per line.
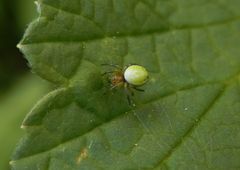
<point x="19" y="89"/>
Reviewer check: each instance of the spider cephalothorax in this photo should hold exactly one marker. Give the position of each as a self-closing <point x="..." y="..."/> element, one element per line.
<point x="117" y="79"/>
<point x="130" y="77"/>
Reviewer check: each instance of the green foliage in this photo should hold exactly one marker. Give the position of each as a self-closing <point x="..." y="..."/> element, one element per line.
<point x="188" y="118"/>
<point x="14" y="105"/>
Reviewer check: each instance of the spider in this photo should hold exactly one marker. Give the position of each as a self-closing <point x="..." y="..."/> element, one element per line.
<point x="130" y="77"/>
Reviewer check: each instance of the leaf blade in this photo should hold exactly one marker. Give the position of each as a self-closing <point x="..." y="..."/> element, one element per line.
<point x="193" y="62"/>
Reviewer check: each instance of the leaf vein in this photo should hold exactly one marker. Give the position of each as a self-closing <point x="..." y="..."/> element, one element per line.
<point x="192" y="128"/>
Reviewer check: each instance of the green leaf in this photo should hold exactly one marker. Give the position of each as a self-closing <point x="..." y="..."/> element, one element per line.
<point x="11" y="116"/>
<point x="188" y="117"/>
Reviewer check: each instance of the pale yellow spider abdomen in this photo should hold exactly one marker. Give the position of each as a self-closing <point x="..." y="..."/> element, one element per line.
<point x="136" y="75"/>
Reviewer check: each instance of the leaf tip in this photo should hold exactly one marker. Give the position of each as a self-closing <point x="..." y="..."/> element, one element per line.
<point x="11" y="162"/>
<point x="37" y="3"/>
<point x="19" y="46"/>
<point x="23" y="127"/>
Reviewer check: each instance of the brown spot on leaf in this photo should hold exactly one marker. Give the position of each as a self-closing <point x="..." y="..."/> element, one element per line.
<point x="83" y="155"/>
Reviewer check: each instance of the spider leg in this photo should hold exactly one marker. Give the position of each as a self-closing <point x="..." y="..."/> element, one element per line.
<point x="129" y="100"/>
<point x="108" y="72"/>
<point x="113" y="87"/>
<point x="113" y="65"/>
<point x="131" y="91"/>
<point x="109" y="89"/>
<point x="129" y="88"/>
<point x="137" y="89"/>
<point x="129" y="94"/>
